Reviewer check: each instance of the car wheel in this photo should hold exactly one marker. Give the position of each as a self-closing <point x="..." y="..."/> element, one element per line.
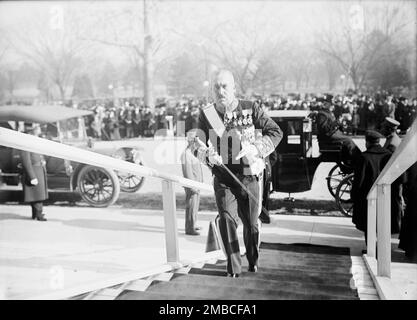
<point x="129" y="182"/>
<point x="97" y="186"/>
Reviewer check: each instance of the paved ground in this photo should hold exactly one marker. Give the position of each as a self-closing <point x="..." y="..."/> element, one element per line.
<point x="79" y="245"/>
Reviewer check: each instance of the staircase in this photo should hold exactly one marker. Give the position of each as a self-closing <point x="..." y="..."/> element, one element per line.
<point x="286" y="272"/>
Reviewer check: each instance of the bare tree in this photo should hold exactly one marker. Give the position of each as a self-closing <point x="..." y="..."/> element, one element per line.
<point x="53" y="49"/>
<point x="246" y="50"/>
<point x="133" y="30"/>
<point x="356" y="48"/>
<point x="270" y="73"/>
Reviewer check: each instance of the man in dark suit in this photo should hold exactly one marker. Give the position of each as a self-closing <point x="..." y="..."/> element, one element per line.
<point x="34" y="179"/>
<point x="366" y="170"/>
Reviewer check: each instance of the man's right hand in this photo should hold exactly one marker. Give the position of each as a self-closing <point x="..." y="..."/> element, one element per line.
<point x="214" y="158"/>
<point x="34" y="182"/>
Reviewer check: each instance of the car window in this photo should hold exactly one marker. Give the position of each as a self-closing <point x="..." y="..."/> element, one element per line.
<point x="72" y="129"/>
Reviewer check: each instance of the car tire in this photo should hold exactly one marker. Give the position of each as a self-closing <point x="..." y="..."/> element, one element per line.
<point x="97" y="186"/>
<point x="129" y="182"/>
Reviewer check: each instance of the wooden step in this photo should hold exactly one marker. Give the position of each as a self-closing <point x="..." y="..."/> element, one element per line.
<point x="306" y="248"/>
<point x="145" y="295"/>
<point x="342" y="270"/>
<point x="295" y="272"/>
<point x="225" y="292"/>
<point x="282" y="276"/>
<point x="256" y="283"/>
<point x="306" y="256"/>
<point x="290" y="275"/>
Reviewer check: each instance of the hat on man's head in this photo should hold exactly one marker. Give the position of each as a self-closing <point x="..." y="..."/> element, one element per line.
<point x="29" y="127"/>
<point x="373" y="136"/>
<point x="328" y="98"/>
<point x="391" y="122"/>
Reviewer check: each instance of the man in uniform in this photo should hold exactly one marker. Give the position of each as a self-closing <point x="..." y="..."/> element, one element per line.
<point x="191" y="169"/>
<point x="366" y="171"/>
<point x="328" y="133"/>
<point x="34" y="179"/>
<point x="389" y="130"/>
<point x="235" y="136"/>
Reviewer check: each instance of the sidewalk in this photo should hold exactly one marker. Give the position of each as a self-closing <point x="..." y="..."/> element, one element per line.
<point x="78" y="245"/>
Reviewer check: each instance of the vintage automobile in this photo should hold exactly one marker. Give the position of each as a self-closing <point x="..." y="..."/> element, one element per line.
<point x="97" y="186"/>
<point x="296" y="164"/>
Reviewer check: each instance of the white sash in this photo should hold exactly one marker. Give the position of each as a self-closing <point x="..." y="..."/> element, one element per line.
<point x="214" y="120"/>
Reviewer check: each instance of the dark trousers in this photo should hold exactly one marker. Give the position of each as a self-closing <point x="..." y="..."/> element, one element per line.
<point x="129" y="131"/>
<point x="233" y="203"/>
<point x="37" y="208"/>
<point x="192" y="202"/>
<point x="264" y="216"/>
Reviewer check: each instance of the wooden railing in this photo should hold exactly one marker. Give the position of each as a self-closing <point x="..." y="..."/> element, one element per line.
<point x="21" y="141"/>
<point x="379" y="202"/>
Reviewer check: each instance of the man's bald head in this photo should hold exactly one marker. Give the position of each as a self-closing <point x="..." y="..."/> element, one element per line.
<point x="224" y="88"/>
<point x="224" y="74"/>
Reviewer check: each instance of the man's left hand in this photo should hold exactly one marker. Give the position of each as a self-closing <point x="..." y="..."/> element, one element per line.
<point x="250" y="151"/>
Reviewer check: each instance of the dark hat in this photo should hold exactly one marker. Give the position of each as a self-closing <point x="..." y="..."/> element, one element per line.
<point x="373" y="136"/>
<point x="29" y="127"/>
<point x="391" y="122"/>
<point x="328" y="98"/>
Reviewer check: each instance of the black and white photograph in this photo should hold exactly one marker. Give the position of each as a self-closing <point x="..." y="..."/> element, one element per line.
<point x="208" y="156"/>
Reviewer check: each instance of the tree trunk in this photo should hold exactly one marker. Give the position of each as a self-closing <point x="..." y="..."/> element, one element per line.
<point x="61" y="92"/>
<point x="354" y="77"/>
<point x="147" y="61"/>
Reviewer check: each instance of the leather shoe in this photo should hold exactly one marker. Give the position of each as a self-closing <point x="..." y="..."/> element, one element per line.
<point x="233" y="275"/>
<point x="253" y="268"/>
<point x="198" y="228"/>
<point x="193" y="233"/>
<point x="41" y="217"/>
<point x="264" y="218"/>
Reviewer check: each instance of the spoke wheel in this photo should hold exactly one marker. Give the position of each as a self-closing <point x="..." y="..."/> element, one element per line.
<point x="97" y="186"/>
<point x="343" y="196"/>
<point x="334" y="178"/>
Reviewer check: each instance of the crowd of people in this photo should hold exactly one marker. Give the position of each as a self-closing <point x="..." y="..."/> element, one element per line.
<point x="132" y="119"/>
<point x="355" y="113"/>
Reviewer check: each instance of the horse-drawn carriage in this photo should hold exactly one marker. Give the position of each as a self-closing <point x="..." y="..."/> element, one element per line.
<point x="297" y="163"/>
